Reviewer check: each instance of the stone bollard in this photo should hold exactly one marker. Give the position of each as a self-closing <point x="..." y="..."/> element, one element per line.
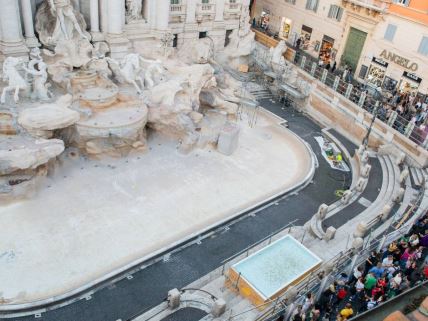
<point x="361" y="150"/>
<point x="291" y="293"/>
<point x="361" y="184"/>
<point x="399" y="195"/>
<point x="218" y="308"/>
<point x="403" y="176"/>
<point x="346" y="197"/>
<point x="365" y="158"/>
<point x="173" y="299"/>
<point x="365" y="170"/>
<point x="400" y="159"/>
<point x="322" y="211"/>
<point x="328" y="268"/>
<point x="357" y="243"/>
<point x="329" y="234"/>
<point x="385" y="212"/>
<point x="360" y="230"/>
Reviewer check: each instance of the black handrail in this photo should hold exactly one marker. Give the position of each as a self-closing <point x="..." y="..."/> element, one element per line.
<point x="200" y="290"/>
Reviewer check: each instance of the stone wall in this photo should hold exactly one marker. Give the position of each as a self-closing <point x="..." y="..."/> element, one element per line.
<point x="332" y="110"/>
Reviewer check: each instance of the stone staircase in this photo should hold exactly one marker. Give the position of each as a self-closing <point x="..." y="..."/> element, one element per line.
<point x="261" y="93"/>
<point x="417" y="176"/>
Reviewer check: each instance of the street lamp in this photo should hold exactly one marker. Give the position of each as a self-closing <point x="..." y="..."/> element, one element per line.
<point x="369" y="130"/>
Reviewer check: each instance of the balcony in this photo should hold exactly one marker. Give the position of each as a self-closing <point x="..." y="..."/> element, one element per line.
<point x="232" y="10"/>
<point x="177" y="13"/>
<point x="368" y="8"/>
<point x="205" y="11"/>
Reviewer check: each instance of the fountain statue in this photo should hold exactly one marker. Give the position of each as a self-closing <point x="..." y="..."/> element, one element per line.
<point x="38" y="70"/>
<point x="57" y="20"/>
<point x="15" y="81"/>
<point x="134" y="10"/>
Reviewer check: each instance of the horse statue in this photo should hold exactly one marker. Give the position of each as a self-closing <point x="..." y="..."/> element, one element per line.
<point x="135" y="68"/>
<point x="154" y="72"/>
<point x="128" y="71"/>
<point x="13" y="77"/>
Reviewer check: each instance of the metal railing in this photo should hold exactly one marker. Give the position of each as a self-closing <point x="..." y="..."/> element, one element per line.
<point x="357" y="93"/>
<point x="248" y="249"/>
<point x="343" y="261"/>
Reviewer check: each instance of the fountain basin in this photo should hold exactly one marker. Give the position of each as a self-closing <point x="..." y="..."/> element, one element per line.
<point x="268" y="273"/>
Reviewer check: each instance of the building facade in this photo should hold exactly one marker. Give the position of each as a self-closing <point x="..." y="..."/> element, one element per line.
<point x="385" y="42"/>
<point x="123" y="28"/>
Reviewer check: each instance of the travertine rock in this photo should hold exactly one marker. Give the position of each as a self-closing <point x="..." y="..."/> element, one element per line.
<point x="42" y="120"/>
<point x="228" y="139"/>
<point x="21" y="153"/>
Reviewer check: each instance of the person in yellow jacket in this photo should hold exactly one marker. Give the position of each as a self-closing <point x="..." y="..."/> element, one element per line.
<point x="346" y="312"/>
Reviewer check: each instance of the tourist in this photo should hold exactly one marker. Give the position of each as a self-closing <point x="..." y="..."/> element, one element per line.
<point x="333" y="69"/>
<point x="358" y="272"/>
<point x="349" y="76"/>
<point x="298" y="314"/>
<point x="328" y="66"/>
<point x="309" y="301"/>
<point x="404" y="264"/>
<point x="371" y="261"/>
<point x="388" y="261"/>
<point x="377" y="270"/>
<point x="298" y="42"/>
<point x="370" y="282"/>
<point x="347" y="312"/>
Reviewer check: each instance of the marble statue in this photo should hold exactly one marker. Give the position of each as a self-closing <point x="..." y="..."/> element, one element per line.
<point x="237" y="52"/>
<point x="128" y="71"/>
<point x="57" y="20"/>
<point x="13" y="77"/>
<point x="276" y="55"/>
<point x="154" y="72"/>
<point x="38" y="70"/>
<point x="98" y="61"/>
<point x="134" y="10"/>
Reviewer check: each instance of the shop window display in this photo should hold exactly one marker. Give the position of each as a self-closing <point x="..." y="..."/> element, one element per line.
<point x="389" y="84"/>
<point x="409" y="83"/>
<point x="285" y="28"/>
<point x="326" y="50"/>
<point x="376" y="76"/>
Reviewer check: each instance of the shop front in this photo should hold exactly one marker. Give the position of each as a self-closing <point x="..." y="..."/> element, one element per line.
<point x="377" y="71"/>
<point x="306" y="35"/>
<point x="327" y="53"/>
<point x="264" y="19"/>
<point x="285" y="30"/>
<point x="409" y="82"/>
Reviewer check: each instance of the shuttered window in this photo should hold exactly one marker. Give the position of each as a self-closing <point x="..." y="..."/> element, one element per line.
<point x="403" y="2"/>
<point x="335" y="12"/>
<point x="390" y="32"/>
<point x="423" y="47"/>
<point x="312" y="5"/>
<point x="291" y="1"/>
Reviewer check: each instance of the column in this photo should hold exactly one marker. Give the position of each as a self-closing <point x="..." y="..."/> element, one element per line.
<point x="115" y="36"/>
<point x="162" y="14"/>
<point x="219" y="10"/>
<point x="191" y="11"/>
<point x="12" y="41"/>
<point x="95" y="20"/>
<point x="115" y="19"/>
<point x="27" y="15"/>
<point x="190" y="27"/>
<point x="103" y="6"/>
<point x="218" y="33"/>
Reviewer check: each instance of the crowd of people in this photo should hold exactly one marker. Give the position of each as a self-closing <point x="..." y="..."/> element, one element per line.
<point x="400" y="266"/>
